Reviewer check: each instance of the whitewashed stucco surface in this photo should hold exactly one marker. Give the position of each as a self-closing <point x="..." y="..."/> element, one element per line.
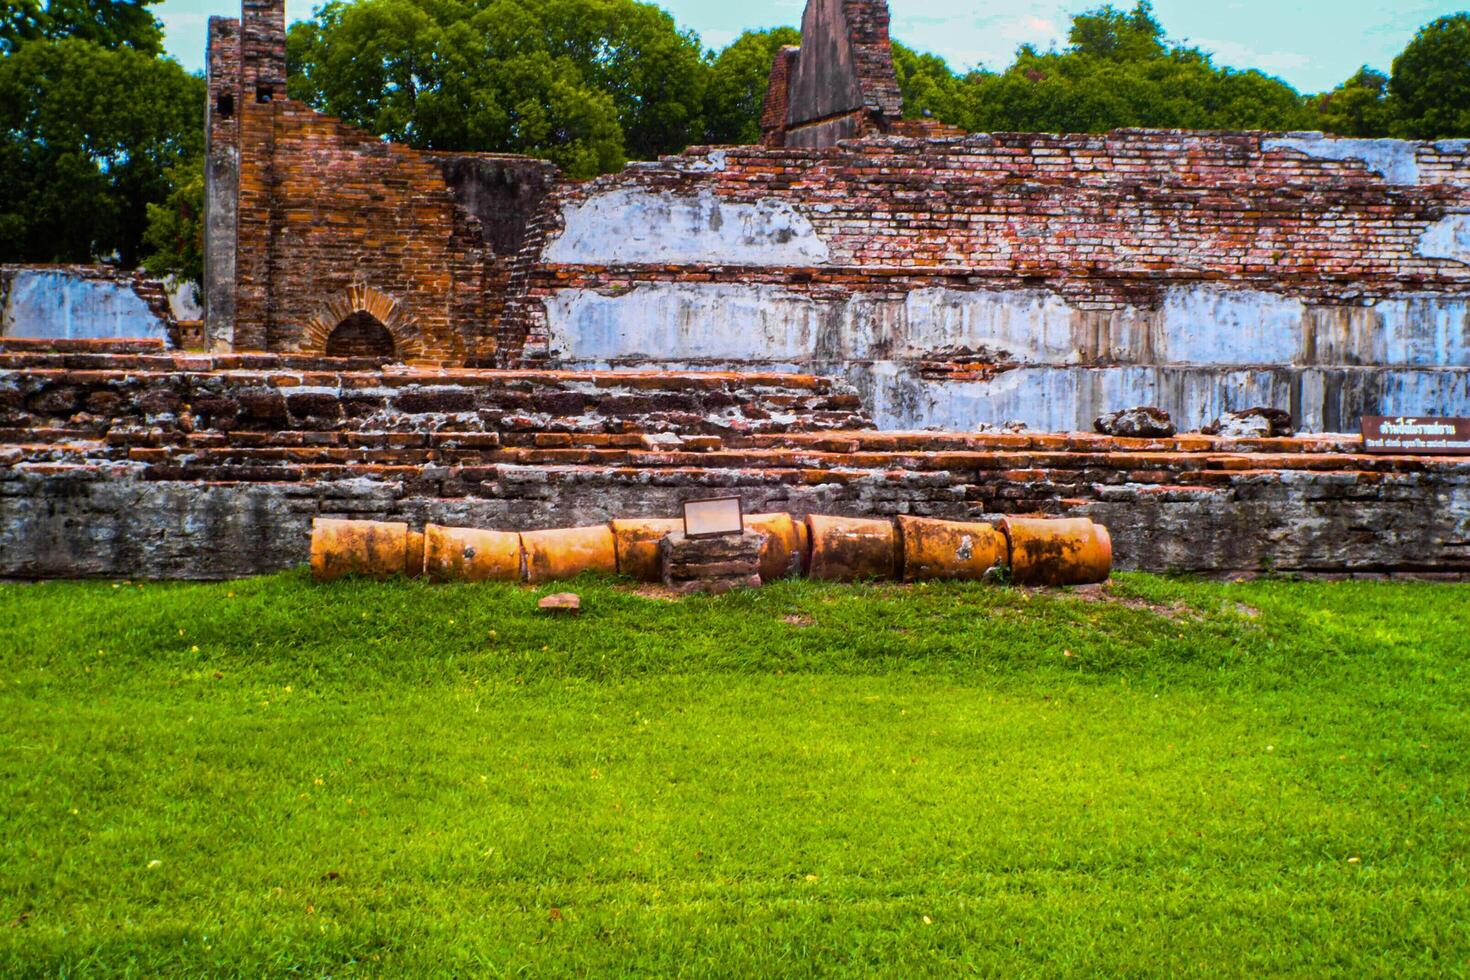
<point x="637" y="225"/>
<point x="1204" y="351"/>
<point x="1397" y="161"/>
<point x="60" y="305"/>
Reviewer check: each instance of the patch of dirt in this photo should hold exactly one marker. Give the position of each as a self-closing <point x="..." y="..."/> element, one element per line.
<point x="798" y="619"/>
<point x="652" y="590"/>
<point x="1177" y="611"/>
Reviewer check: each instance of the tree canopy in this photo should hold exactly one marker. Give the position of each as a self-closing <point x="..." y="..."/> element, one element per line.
<point x="736" y="89"/>
<point x="1430" y="86"/>
<point x="585" y="83"/>
<point x="89" y="137"/>
<point x="106" y="23"/>
<point x="1118" y="70"/>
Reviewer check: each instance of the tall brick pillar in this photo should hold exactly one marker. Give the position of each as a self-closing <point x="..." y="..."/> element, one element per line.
<point x="262" y="93"/>
<point x="221" y="180"/>
<point x="263" y="49"/>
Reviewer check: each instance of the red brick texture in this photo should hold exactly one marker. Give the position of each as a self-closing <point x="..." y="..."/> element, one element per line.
<point x="328" y="214"/>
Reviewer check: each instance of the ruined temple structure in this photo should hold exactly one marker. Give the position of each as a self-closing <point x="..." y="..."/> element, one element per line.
<point x="954" y="279"/>
<point x="323" y="239"/>
<point x="829" y="322"/>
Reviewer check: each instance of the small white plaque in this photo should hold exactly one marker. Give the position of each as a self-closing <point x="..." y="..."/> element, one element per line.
<point x="708" y="518"/>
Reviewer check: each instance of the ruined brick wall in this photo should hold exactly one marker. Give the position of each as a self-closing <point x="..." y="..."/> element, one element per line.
<point x="129" y="460"/>
<point x="64" y="302"/>
<point x="339" y="208"/>
<point x="310" y="220"/>
<point x="1039" y="277"/>
<point x="839" y="84"/>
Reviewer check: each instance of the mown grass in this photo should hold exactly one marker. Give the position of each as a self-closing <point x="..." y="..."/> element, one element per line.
<point x="270" y="777"/>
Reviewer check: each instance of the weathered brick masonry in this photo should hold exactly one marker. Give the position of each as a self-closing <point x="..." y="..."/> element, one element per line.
<point x="1047" y="278"/>
<point x="310" y="221"/>
<point x="954" y="279"/>
<point x="142" y="462"/>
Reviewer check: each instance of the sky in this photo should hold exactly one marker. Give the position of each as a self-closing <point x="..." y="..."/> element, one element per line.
<point x="1312" y="44"/>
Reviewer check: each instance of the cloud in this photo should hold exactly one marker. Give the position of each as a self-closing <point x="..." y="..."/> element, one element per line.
<point x="966" y="39"/>
<point x="1236" y="55"/>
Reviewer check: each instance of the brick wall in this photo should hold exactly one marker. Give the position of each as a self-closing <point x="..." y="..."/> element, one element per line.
<point x="311" y="220"/>
<point x="1162" y="251"/>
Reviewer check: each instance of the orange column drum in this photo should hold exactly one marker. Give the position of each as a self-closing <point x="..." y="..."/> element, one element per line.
<point x="636" y="543"/>
<point x="1068" y="551"/>
<point x="465" y="554"/>
<point x="848" y="548"/>
<point x="949" y="549"/>
<point x="375" y="549"/>
<point x="568" y="552"/>
<point x="784" y="553"/>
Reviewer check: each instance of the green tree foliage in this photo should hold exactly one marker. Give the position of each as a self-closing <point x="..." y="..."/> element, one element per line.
<point x="175" y="232"/>
<point x="88" y="136"/>
<point x="736" y="89"/>
<point x="581" y="82"/>
<point x="1360" y="106"/>
<point x="107" y="23"/>
<point x="1430" y="86"/>
<point x="1118" y="71"/>
<point x="928" y="87"/>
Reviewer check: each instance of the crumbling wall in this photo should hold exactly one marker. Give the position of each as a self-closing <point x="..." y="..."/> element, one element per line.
<point x="1035" y="277"/>
<point x="64" y="302"/>
<point x="309" y="220"/>
<point x="344" y="209"/>
<point x="839" y="84"/>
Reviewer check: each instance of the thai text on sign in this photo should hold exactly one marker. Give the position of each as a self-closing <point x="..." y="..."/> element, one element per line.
<point x="1416" y="434"/>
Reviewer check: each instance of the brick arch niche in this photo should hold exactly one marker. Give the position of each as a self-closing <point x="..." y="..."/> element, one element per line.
<point x="363" y="321"/>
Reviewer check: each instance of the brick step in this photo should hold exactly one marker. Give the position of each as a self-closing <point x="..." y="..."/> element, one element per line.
<point x="1049" y="473"/>
<point x="99" y="345"/>
<point x="270" y="371"/>
<point x="867" y="440"/>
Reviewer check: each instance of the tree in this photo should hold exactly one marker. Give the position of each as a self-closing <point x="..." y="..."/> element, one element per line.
<point x="736" y="90"/>
<point x="110" y="24"/>
<point x="1430" y="83"/>
<point x="633" y="51"/>
<point x="87" y="139"/>
<point x="1119" y="71"/>
<point x="1118" y="36"/>
<point x="581" y="82"/>
<point x="175" y="232"/>
<point x="1358" y="107"/>
<point x="928" y="87"/>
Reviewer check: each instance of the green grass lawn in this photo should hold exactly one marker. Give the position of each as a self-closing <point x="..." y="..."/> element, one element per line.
<point x="270" y="776"/>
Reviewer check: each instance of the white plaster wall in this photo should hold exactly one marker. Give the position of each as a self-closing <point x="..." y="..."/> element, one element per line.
<point x="1397" y="161"/>
<point x="1414" y="330"/>
<point x="184" y="301"/>
<point x="636" y="225"/>
<point x="1205" y="351"/>
<point x="1447" y="238"/>
<point x="1214" y="325"/>
<point x="58" y="305"/>
<point x="1033" y="325"/>
<point x="1061" y="399"/>
<point x="685" y="322"/>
